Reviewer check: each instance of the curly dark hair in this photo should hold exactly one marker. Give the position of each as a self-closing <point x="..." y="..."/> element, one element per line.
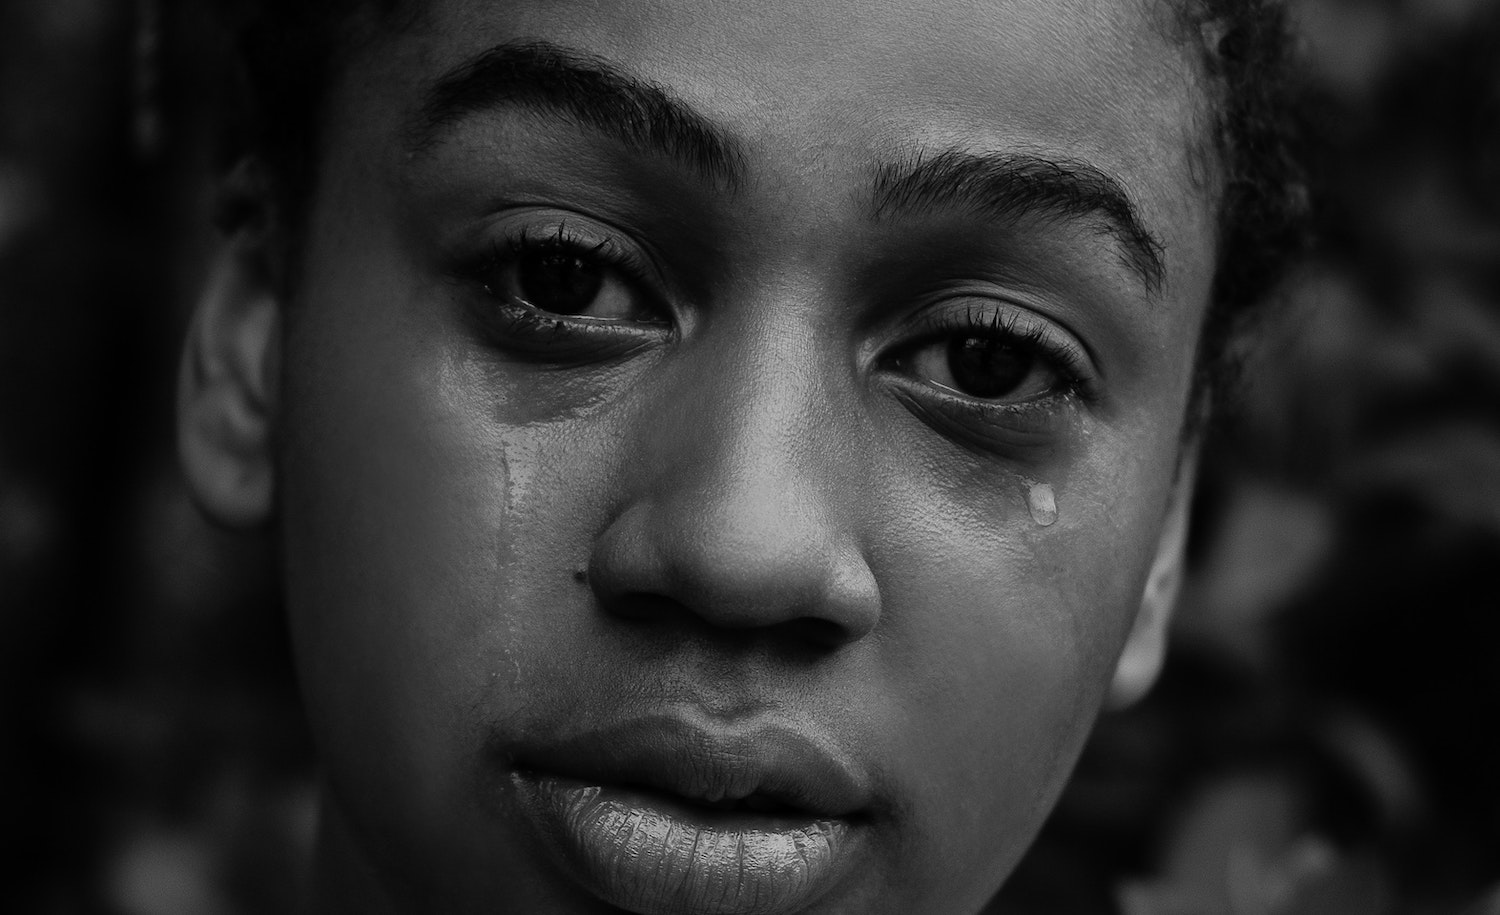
<point x="290" y="48"/>
<point x="1264" y="224"/>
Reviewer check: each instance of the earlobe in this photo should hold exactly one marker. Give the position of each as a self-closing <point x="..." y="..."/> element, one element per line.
<point x="1145" y="648"/>
<point x="226" y="399"/>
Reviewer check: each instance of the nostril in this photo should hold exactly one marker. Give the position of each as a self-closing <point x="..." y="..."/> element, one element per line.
<point x="817" y="632"/>
<point x="647" y="607"/>
<point x="811" y="631"/>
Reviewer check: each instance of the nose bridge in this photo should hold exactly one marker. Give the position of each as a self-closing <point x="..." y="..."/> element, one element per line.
<point x="761" y="429"/>
<point x="744" y="515"/>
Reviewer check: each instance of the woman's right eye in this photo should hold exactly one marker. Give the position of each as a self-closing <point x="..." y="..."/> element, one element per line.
<point x="568" y="296"/>
<point x="562" y="277"/>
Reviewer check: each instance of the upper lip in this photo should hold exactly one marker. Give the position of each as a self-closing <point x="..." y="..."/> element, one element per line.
<point x="707" y="762"/>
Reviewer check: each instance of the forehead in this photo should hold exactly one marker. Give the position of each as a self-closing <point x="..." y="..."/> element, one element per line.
<point x="1101" y="78"/>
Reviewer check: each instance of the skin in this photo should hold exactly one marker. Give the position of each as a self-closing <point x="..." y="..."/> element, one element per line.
<point x="767" y="511"/>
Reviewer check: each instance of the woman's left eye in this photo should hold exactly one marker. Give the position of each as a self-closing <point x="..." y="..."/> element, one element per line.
<point x="984" y="366"/>
<point x="998" y="377"/>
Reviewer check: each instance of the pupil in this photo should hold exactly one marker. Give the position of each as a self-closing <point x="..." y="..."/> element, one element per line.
<point x="987" y="367"/>
<point x="564" y="283"/>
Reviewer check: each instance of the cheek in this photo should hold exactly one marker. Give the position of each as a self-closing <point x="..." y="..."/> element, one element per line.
<point x="397" y="486"/>
<point x="1004" y="633"/>
<point x="435" y="513"/>
<point x="391" y="515"/>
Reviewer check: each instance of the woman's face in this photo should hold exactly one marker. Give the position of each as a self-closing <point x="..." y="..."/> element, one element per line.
<point x="724" y="445"/>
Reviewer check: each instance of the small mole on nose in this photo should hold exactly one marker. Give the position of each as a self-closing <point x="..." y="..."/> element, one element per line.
<point x="1043" y="503"/>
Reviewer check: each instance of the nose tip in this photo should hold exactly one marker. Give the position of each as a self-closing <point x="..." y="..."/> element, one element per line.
<point x="773" y="565"/>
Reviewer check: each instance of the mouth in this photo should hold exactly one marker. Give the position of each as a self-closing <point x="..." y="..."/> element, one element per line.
<point x="666" y="817"/>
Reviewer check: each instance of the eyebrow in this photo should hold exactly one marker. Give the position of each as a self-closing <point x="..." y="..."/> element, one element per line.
<point x="1007" y="187"/>
<point x="553" y="80"/>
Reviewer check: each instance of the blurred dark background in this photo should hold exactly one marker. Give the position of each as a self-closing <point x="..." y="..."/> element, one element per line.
<point x="1326" y="738"/>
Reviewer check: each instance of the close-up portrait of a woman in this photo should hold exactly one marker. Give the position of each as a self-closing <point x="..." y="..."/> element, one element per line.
<point x="988" y="457"/>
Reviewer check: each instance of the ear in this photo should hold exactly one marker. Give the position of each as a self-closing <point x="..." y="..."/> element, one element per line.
<point x="226" y="397"/>
<point x="1145" y="647"/>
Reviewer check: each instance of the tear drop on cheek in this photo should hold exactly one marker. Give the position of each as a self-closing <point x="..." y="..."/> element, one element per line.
<point x="1043" y="503"/>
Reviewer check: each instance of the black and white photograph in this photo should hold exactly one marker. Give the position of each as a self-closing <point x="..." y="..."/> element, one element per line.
<point x="750" y="457"/>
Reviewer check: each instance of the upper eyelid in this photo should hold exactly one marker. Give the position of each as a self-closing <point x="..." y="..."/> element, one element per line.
<point x="502" y="231"/>
<point x="561" y="237"/>
<point x="1071" y="353"/>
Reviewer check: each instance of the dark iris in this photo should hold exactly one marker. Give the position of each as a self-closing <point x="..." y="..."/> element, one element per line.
<point x="988" y="366"/>
<point x="563" y="283"/>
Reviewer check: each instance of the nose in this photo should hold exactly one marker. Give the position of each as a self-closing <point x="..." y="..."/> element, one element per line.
<point x="743" y="508"/>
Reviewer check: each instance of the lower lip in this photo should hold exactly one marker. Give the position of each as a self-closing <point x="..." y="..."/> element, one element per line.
<point x="647" y="855"/>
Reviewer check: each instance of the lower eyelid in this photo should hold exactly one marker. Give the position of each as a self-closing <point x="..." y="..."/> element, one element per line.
<point x="531" y="335"/>
<point x="523" y="311"/>
<point x="1036" y="406"/>
<point x="1031" y="429"/>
